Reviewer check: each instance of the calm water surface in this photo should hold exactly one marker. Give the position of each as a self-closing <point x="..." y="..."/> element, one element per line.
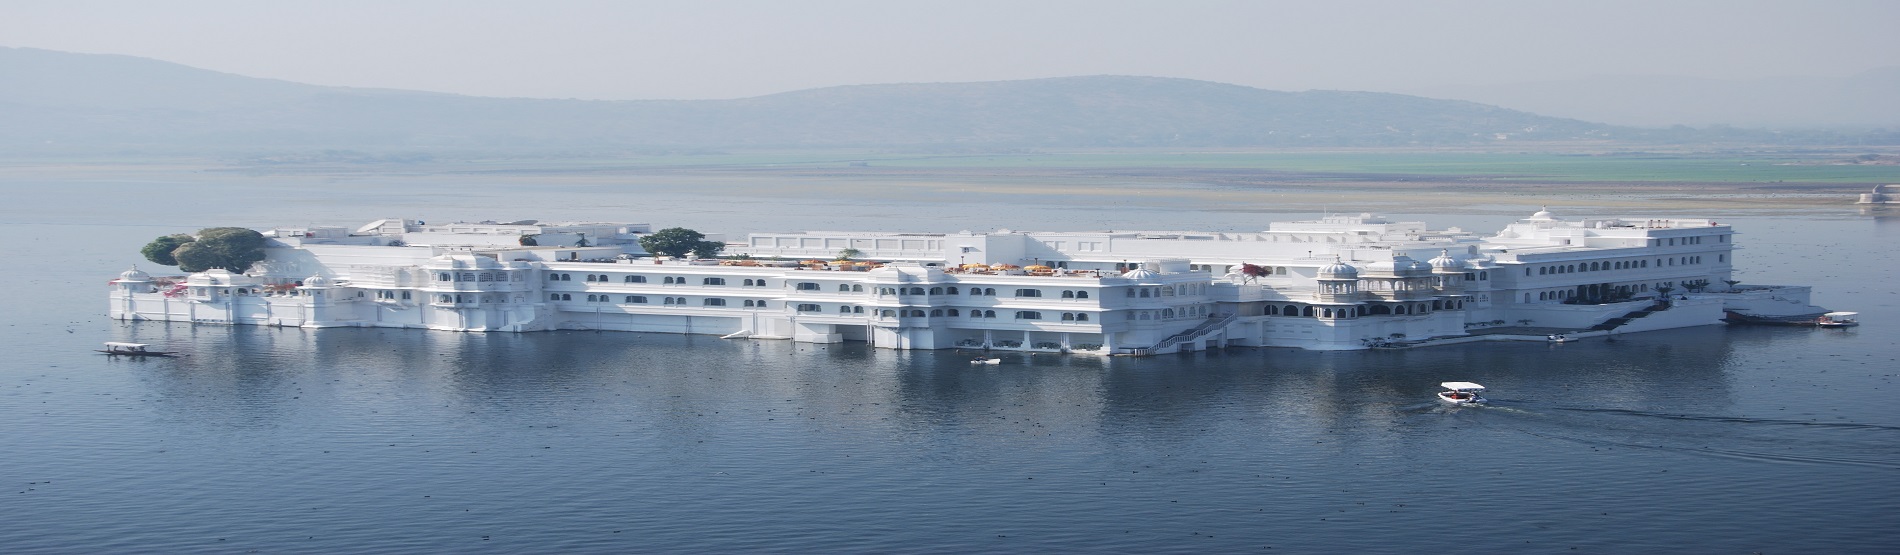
<point x="345" y="440"/>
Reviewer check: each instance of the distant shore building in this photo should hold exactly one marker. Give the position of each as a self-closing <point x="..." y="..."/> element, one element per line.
<point x="1340" y="282"/>
<point x="1880" y="197"/>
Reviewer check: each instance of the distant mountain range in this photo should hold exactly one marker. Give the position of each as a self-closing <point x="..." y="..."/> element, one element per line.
<point x="1864" y="100"/>
<point x="65" y="101"/>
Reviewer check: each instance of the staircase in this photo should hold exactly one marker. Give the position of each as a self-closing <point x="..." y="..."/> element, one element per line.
<point x="1215" y="322"/>
<point x="1618" y="322"/>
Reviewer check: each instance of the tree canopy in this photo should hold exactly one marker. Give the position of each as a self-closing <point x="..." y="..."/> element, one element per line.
<point x="159" y="251"/>
<point x="231" y="248"/>
<point x="677" y="241"/>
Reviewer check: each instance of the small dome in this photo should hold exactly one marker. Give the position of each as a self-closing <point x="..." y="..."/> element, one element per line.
<point x="1543" y="213"/>
<point x="134" y="275"/>
<point x="1444" y="261"/>
<point x="316" y="281"/>
<point x="1338" y="269"/>
<point x="1140" y="274"/>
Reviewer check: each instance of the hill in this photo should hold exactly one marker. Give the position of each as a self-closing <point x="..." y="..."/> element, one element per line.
<point x="66" y="101"/>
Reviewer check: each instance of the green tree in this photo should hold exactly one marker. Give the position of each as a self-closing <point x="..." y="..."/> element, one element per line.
<point x="849" y="253"/>
<point x="528" y="241"/>
<point x="159" y="251"/>
<point x="677" y="241"/>
<point x="231" y="248"/>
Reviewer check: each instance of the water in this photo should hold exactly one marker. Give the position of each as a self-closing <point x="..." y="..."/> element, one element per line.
<point x="353" y="440"/>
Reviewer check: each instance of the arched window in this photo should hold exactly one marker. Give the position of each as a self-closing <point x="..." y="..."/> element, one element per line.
<point x="1029" y="292"/>
<point x="844" y="288"/>
<point x="950" y="290"/>
<point x="1144" y="315"/>
<point x="1081" y="294"/>
<point x="761" y="283"/>
<point x="748" y="283"/>
<point x="636" y="299"/>
<point x="916" y="291"/>
<point x="952" y="312"/>
<point x="989" y="314"/>
<point x="566" y="297"/>
<point x="989" y="292"/>
<point x="917" y="313"/>
<point x="1167" y="313"/>
<point x="857" y="289"/>
<point x="1068" y="316"/>
<point x="857" y="310"/>
<point x="936" y="290"/>
<point x="1144" y="293"/>
<point x="1068" y="294"/>
<point x="936" y="312"/>
<point x="1082" y="317"/>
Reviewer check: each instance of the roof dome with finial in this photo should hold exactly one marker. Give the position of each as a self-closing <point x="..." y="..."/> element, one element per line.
<point x="1139" y="274"/>
<point x="1543" y="213"/>
<point x="1444" y="261"/>
<point x="316" y="281"/>
<point x="1338" y="270"/>
<point x="134" y="275"/>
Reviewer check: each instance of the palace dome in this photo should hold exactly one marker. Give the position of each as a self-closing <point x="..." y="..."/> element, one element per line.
<point x="316" y="281"/>
<point x="1444" y="261"/>
<point x="134" y="275"/>
<point x="1140" y="274"/>
<point x="1339" y="270"/>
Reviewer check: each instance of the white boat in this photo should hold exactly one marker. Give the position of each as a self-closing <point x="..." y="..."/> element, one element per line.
<point x="1461" y="393"/>
<point x="987" y="361"/>
<point x="1560" y="338"/>
<point x="115" y="348"/>
<point x="1837" y="320"/>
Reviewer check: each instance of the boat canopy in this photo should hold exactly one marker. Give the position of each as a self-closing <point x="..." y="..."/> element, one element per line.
<point x="1461" y="386"/>
<point x="118" y="345"/>
<point x="1841" y="314"/>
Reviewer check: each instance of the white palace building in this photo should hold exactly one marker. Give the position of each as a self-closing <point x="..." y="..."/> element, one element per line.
<point x="1341" y="282"/>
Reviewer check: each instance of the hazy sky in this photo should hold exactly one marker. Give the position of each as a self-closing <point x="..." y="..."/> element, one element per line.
<point x="714" y="49"/>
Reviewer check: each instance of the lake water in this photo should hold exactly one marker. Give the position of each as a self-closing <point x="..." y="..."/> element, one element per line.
<point x="349" y="440"/>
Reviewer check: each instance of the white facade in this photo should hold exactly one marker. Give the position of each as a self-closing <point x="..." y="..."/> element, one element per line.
<point x="1343" y="282"/>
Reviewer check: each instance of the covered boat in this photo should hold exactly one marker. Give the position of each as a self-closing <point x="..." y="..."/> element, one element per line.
<point x="1461" y="393"/>
<point x="115" y="348"/>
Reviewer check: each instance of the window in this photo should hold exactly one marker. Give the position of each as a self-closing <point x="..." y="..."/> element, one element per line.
<point x="857" y="289"/>
<point x="952" y="312"/>
<point x="989" y="314"/>
<point x="915" y="291"/>
<point x="713" y="281"/>
<point x="1028" y="292"/>
<point x="1068" y="316"/>
<point x="566" y="297"/>
<point x="567" y="277"/>
<point x="857" y="310"/>
<point x="668" y="280"/>
<point x="936" y="312"/>
<point x="445" y="277"/>
<point x="636" y="299"/>
<point x="844" y="288"/>
<point x="761" y="283"/>
<point x="405" y="295"/>
<point x="807" y="286"/>
<point x="1068" y="294"/>
<point x="808" y="307"/>
<point x="634" y="279"/>
<point x="936" y="290"/>
<point x="989" y="292"/>
<point x="669" y="300"/>
<point x="714" y="302"/>
<point x="590" y="277"/>
<point x="1081" y="294"/>
<point x="1082" y="317"/>
<point x="748" y="283"/>
<point x="1028" y="315"/>
<point x="844" y="310"/>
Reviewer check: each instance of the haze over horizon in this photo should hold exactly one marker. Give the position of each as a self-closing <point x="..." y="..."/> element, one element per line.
<point x="636" y="51"/>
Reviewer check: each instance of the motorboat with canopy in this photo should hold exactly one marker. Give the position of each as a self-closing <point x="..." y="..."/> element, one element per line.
<point x="1461" y="393"/>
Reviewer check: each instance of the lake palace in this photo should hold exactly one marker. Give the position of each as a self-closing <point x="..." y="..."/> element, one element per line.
<point x="1340" y="282"/>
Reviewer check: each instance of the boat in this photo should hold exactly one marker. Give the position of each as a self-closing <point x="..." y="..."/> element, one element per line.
<point x="115" y="348"/>
<point x="1461" y="393"/>
<point x="1837" y="320"/>
<point x="981" y="360"/>
<point x="1560" y="338"/>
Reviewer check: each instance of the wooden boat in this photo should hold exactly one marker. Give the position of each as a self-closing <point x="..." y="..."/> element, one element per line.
<point x="1837" y="320"/>
<point x="1461" y="393"/>
<point x="115" y="348"/>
